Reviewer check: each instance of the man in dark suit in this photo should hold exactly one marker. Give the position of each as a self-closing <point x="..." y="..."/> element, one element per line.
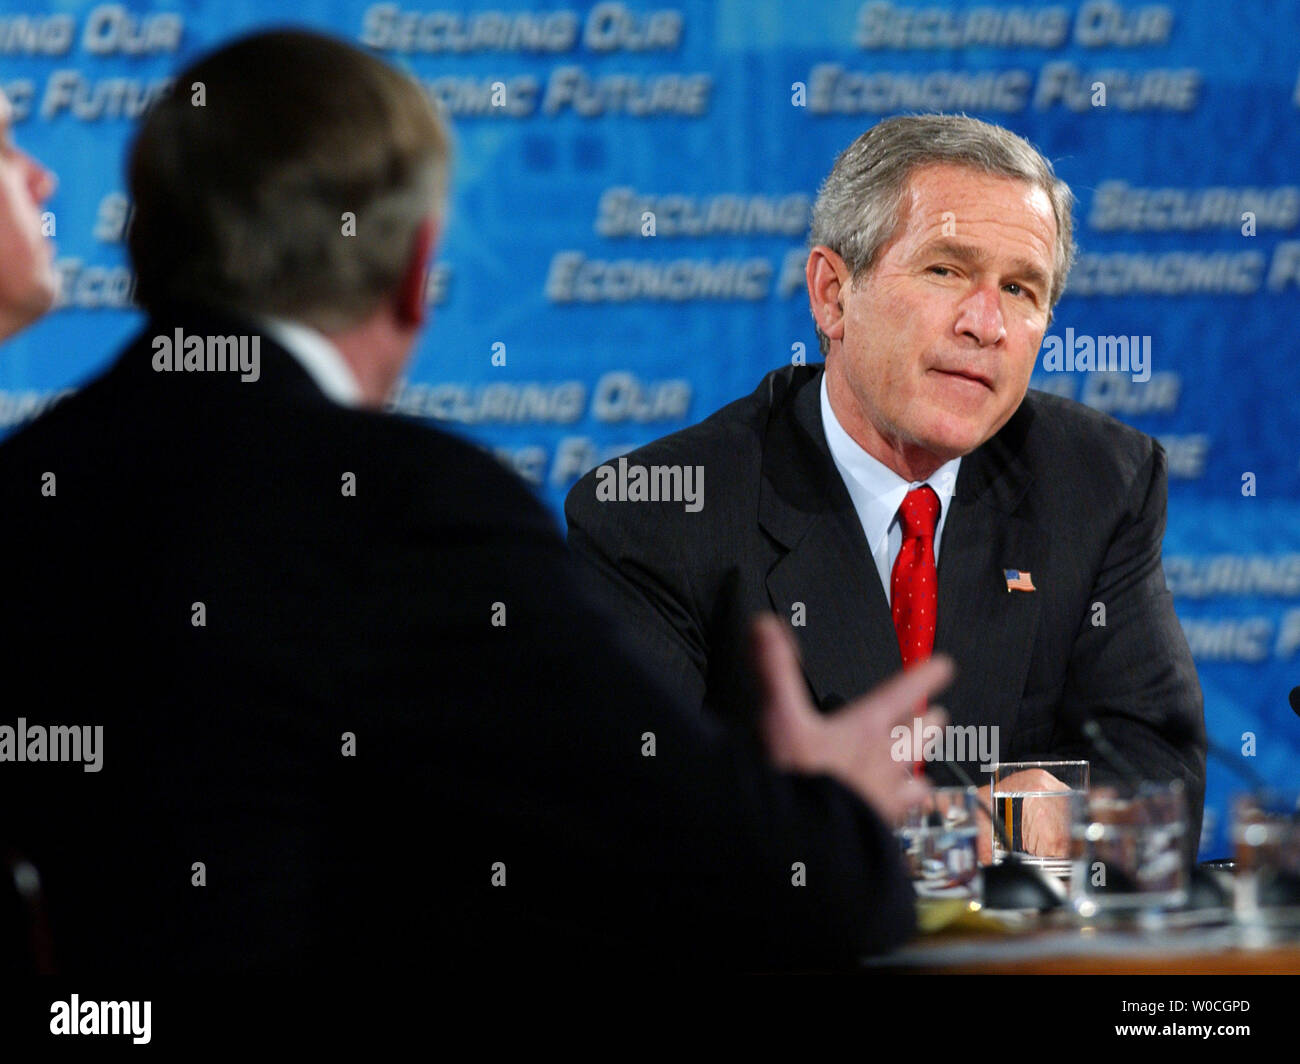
<point x="329" y="693"/>
<point x="911" y="495"/>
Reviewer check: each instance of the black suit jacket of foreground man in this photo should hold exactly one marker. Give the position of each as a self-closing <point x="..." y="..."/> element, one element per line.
<point x="514" y="750"/>
<point x="1073" y="497"/>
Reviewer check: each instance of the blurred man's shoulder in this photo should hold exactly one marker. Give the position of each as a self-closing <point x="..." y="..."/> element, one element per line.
<point x="439" y="475"/>
<point x="112" y="422"/>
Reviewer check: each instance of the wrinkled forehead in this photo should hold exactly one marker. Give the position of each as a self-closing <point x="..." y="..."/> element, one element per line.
<point x="944" y="200"/>
<point x="932" y="188"/>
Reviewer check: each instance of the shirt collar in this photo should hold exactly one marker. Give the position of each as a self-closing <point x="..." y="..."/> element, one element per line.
<point x="876" y="490"/>
<point x="319" y="358"/>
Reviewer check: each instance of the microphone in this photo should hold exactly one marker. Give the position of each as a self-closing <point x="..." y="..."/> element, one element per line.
<point x="1011" y="884"/>
<point x="1235" y="764"/>
<point x="960" y="772"/>
<point x="1097" y="738"/>
<point x="1204" y="891"/>
<point x="1284" y="888"/>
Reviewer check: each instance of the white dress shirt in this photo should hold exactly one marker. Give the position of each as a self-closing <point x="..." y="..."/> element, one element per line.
<point x="877" y="492"/>
<point x="318" y="357"/>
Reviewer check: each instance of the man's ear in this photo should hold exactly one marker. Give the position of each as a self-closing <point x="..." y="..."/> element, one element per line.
<point x="411" y="308"/>
<point x="827" y="278"/>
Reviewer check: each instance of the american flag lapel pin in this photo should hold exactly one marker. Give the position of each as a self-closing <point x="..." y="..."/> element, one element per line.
<point x="1018" y="580"/>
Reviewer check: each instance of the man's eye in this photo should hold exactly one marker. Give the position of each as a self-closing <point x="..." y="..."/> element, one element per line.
<point x="942" y="271"/>
<point x="1018" y="289"/>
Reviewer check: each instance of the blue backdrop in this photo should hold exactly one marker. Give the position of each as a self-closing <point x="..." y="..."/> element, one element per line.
<point x="1177" y="125"/>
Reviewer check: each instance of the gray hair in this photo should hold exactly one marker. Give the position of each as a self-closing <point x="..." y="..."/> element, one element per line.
<point x="250" y="201"/>
<point x="860" y="203"/>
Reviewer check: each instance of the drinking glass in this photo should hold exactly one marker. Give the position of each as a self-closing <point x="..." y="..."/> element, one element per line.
<point x="1266" y="844"/>
<point x="939" y="844"/>
<point x="1130" y="849"/>
<point x="1036" y="811"/>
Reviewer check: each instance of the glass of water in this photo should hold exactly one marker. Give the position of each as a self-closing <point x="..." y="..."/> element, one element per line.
<point x="1130" y="849"/>
<point x="1032" y="803"/>
<point x="939" y="844"/>
<point x="1266" y="845"/>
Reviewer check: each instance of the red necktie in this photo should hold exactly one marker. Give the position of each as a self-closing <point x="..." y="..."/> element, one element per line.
<point x="914" y="586"/>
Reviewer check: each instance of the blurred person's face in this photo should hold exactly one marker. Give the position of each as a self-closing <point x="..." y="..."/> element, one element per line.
<point x="29" y="283"/>
<point x="941" y="336"/>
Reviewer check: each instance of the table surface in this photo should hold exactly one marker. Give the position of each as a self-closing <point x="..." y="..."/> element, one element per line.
<point x="1058" y="944"/>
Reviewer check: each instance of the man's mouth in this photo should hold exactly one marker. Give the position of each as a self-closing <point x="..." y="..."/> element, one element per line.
<point x="969" y="375"/>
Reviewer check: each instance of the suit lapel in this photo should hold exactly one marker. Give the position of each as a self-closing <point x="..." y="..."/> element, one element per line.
<point x="986" y="629"/>
<point x="847" y="638"/>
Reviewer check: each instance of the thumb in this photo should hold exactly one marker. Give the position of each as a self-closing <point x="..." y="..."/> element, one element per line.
<point x="786" y="709"/>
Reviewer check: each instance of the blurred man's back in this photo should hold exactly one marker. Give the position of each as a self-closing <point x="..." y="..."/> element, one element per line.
<point x="302" y="690"/>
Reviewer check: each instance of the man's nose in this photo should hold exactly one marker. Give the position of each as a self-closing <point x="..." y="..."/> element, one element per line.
<point x="980" y="316"/>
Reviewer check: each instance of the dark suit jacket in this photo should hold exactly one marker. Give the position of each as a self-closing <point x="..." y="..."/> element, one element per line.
<point x="1073" y="497"/>
<point x="521" y="742"/>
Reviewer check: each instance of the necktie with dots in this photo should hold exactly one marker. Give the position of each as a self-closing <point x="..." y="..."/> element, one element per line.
<point x="914" y="586"/>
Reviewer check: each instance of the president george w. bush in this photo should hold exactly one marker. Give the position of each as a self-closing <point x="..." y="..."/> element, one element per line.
<point x="913" y="495"/>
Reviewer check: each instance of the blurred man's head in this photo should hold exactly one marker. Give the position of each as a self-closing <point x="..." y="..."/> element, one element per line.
<point x="291" y="175"/>
<point x="941" y="245"/>
<point x="29" y="283"/>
